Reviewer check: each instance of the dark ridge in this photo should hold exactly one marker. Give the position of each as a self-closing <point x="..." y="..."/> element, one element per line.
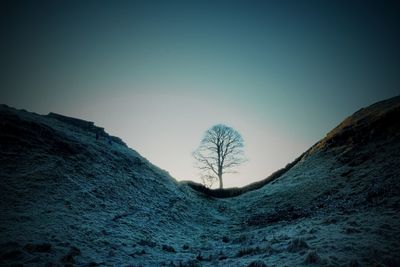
<point x="86" y="126"/>
<point x="367" y="124"/>
<point x="237" y="191"/>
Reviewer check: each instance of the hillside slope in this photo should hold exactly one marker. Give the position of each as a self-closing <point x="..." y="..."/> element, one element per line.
<point x="69" y="198"/>
<point x="342" y="197"/>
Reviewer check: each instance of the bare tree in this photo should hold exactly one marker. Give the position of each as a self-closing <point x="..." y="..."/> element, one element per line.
<point x="219" y="152"/>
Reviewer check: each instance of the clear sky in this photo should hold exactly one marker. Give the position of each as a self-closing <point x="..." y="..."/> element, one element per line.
<point x="160" y="73"/>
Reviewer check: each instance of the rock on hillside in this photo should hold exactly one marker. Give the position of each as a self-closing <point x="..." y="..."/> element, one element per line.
<point x="69" y="198"/>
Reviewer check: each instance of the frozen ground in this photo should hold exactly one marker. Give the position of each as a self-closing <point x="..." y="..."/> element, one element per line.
<point x="70" y="199"/>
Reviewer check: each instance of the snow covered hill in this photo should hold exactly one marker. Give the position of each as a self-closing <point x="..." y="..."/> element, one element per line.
<point x="73" y="195"/>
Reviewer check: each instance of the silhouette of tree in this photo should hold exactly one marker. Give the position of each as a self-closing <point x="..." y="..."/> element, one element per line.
<point x="219" y="152"/>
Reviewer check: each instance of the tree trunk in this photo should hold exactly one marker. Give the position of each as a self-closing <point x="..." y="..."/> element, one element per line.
<point x="221" y="185"/>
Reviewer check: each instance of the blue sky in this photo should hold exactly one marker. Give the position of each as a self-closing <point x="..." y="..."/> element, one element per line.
<point x="159" y="73"/>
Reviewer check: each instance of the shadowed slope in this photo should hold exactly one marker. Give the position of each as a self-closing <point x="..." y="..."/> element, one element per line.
<point x="64" y="189"/>
<point x="378" y="121"/>
<point x="344" y="190"/>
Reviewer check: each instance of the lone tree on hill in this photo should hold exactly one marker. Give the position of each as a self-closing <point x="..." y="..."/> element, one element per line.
<point x="219" y="152"/>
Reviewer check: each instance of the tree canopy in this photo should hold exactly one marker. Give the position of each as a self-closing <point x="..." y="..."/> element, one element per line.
<point x="220" y="151"/>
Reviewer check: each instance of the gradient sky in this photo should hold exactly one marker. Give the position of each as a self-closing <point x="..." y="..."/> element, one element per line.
<point x="160" y="73"/>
